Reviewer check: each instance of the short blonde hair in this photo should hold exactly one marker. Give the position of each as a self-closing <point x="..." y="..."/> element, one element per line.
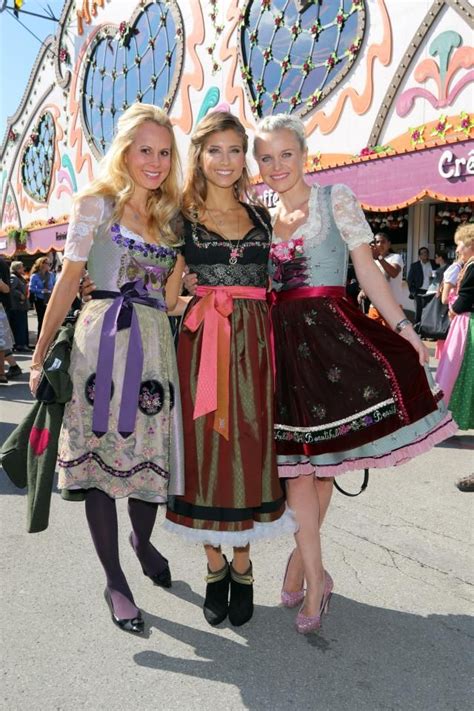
<point x="282" y="122"/>
<point x="465" y="234"/>
<point x="114" y="179"/>
<point x="16" y="266"/>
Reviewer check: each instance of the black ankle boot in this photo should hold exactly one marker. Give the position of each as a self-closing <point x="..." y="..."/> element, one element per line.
<point x="241" y="597"/>
<point x="216" y="603"/>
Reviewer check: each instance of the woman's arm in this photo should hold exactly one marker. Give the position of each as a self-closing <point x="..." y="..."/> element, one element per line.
<point x="4" y="287"/>
<point x="174" y="283"/>
<point x="379" y="293"/>
<point x="446" y="290"/>
<point x="181" y="306"/>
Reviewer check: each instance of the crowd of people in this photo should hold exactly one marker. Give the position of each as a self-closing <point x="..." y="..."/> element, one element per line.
<point x="19" y="293"/>
<point x="280" y="382"/>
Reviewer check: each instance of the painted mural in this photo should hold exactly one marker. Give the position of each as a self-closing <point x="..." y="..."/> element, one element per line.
<point x="385" y="88"/>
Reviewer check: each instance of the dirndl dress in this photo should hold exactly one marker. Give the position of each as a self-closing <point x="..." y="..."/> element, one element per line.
<point x="122" y="429"/>
<point x="455" y="373"/>
<point x="350" y="393"/>
<point x="232" y="491"/>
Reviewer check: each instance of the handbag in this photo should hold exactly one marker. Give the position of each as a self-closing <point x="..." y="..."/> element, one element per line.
<point x="363" y="486"/>
<point x="435" y="320"/>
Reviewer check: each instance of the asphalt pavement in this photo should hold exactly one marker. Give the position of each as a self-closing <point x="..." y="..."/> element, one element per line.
<point x="398" y="636"/>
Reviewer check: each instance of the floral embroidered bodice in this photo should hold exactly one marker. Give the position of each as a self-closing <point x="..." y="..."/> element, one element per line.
<point x="208" y="255"/>
<point x="114" y="254"/>
<point x="318" y="252"/>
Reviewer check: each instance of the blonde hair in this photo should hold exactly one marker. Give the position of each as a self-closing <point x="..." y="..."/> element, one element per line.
<point x="195" y="184"/>
<point x="15" y="266"/>
<point x="465" y="234"/>
<point x="114" y="180"/>
<point x="38" y="264"/>
<point x="282" y="122"/>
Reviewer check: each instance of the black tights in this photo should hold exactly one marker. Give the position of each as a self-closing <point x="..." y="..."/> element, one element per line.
<point x="101" y="515"/>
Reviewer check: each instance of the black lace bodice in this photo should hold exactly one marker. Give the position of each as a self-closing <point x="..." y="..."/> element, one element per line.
<point x="207" y="254"/>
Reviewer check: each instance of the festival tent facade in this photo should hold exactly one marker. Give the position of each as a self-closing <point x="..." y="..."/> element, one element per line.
<point x="385" y="88"/>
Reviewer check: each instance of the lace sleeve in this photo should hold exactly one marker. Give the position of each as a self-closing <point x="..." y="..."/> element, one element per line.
<point x="87" y="214"/>
<point x="349" y="217"/>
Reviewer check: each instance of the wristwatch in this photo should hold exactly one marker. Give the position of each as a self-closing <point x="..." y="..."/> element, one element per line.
<point x="402" y="324"/>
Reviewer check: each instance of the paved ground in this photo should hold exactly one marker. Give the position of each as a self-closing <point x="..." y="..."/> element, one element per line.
<point x="398" y="636"/>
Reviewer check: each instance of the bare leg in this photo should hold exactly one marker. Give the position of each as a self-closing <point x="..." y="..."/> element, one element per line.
<point x="303" y="500"/>
<point x="241" y="561"/>
<point x="295" y="574"/>
<point x="215" y="559"/>
<point x="324" y="488"/>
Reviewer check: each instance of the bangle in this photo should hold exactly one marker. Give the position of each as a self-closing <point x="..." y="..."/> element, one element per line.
<point x="402" y="324"/>
<point x="36" y="366"/>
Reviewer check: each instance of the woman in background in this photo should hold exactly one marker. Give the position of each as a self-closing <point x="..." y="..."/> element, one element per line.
<point x="455" y="374"/>
<point x="41" y="286"/>
<point x="19" y="306"/>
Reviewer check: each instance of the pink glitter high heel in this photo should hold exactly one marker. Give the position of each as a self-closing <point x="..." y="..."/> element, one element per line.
<point x="304" y="623"/>
<point x="290" y="599"/>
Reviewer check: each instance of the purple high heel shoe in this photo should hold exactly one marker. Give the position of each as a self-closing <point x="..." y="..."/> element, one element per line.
<point x="304" y="623"/>
<point x="290" y="599"/>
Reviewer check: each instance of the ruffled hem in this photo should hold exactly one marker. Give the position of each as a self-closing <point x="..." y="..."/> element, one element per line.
<point x="447" y="428"/>
<point x="286" y="524"/>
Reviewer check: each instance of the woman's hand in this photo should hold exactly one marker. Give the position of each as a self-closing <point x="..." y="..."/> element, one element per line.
<point x="190" y="283"/>
<point x="410" y="335"/>
<point x="86" y="288"/>
<point x="35" y="375"/>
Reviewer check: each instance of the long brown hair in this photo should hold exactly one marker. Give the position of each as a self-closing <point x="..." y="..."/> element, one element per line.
<point x="195" y="184"/>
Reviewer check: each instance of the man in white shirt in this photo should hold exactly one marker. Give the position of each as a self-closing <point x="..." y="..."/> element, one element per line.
<point x="391" y="266"/>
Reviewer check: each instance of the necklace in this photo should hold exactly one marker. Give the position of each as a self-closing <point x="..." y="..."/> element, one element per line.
<point x="136" y="214"/>
<point x="236" y="251"/>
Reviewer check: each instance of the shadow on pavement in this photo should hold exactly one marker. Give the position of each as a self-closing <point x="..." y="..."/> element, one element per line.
<point x="458" y="442"/>
<point x="386" y="659"/>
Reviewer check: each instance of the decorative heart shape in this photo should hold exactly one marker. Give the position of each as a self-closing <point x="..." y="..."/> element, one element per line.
<point x="295" y="53"/>
<point x="138" y="61"/>
<point x="39" y="440"/>
<point x="38" y="159"/>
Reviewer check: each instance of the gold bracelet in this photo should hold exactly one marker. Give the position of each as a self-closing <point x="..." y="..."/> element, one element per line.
<point x="36" y="366"/>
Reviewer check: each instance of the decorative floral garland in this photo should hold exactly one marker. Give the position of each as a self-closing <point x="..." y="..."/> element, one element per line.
<point x="286" y="63"/>
<point x="218" y="30"/>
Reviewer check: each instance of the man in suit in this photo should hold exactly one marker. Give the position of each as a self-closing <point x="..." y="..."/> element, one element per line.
<point x="418" y="280"/>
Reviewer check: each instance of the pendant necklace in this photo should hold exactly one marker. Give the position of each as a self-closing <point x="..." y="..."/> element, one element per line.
<point x="235" y="251"/>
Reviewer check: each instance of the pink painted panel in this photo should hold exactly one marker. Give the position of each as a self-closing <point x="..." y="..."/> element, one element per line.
<point x="390" y="181"/>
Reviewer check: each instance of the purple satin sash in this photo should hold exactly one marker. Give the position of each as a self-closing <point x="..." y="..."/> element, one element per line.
<point x="121" y="314"/>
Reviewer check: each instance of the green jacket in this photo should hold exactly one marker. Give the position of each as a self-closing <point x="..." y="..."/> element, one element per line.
<point x="29" y="454"/>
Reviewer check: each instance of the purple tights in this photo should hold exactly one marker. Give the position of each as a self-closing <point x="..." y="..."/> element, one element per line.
<point x="101" y="515"/>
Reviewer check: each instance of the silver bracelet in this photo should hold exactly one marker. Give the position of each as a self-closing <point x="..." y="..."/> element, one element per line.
<point x="402" y="324"/>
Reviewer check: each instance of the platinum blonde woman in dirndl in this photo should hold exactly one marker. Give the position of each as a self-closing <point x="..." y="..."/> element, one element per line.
<point x="350" y="393"/>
